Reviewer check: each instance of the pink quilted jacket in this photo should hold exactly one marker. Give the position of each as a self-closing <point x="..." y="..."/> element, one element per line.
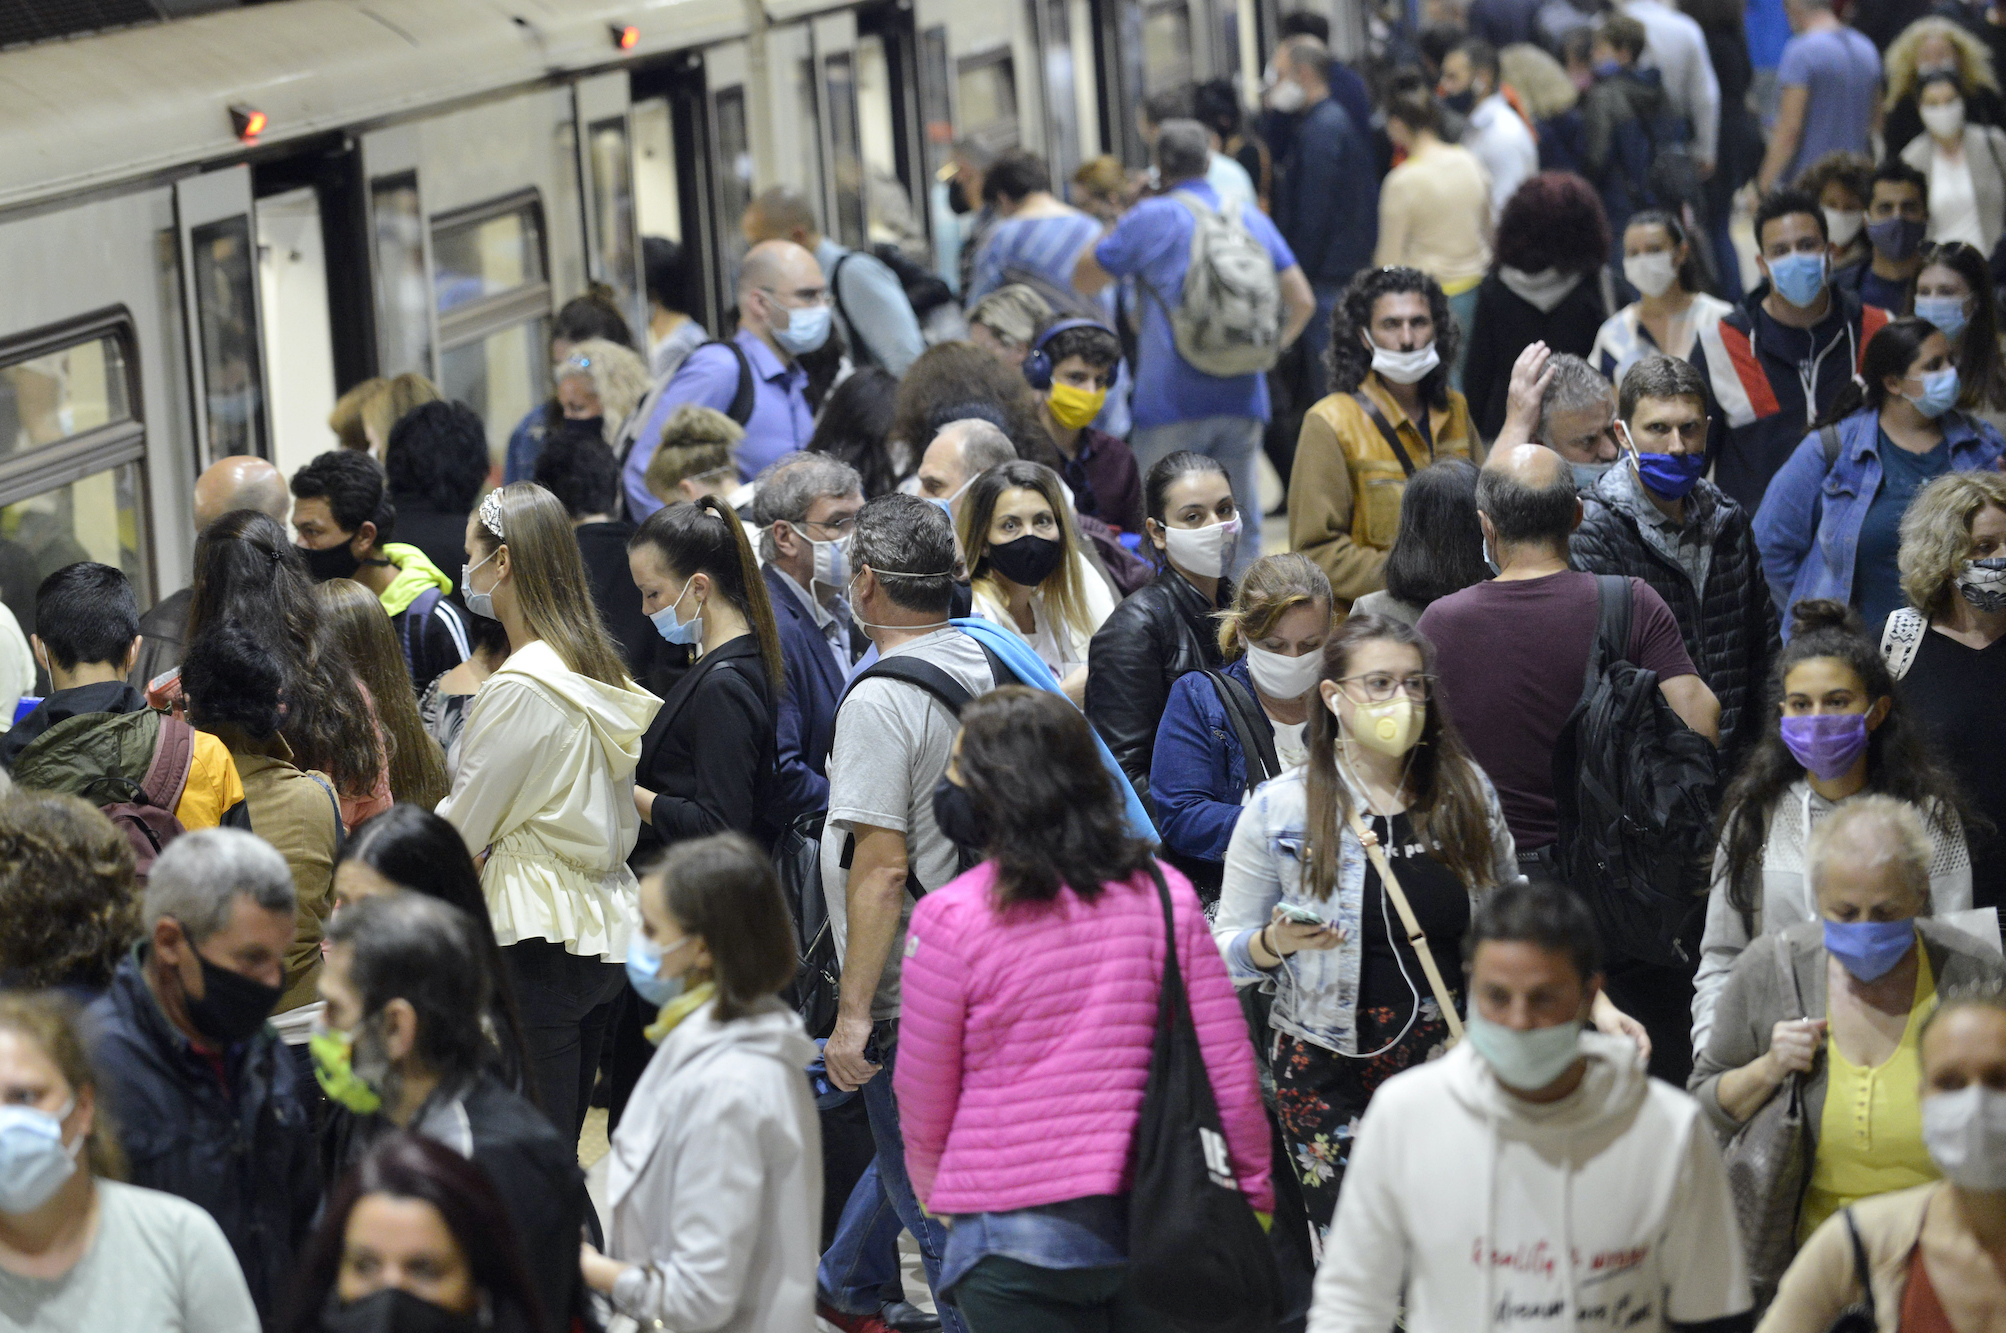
<point x="1025" y="1038"/>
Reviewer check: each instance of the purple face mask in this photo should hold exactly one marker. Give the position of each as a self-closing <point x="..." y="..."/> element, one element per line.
<point x="1826" y="744"/>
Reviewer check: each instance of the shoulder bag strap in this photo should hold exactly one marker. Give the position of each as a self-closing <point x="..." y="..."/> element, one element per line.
<point x="340" y="829"/>
<point x="1828" y="437"/>
<point x="1862" y="1274"/>
<point x="1257" y="739"/>
<point x="1792" y="998"/>
<point x="173" y="758"/>
<point x="843" y="311"/>
<point x="1170" y="996"/>
<point x="1415" y="936"/>
<point x="1364" y="400"/>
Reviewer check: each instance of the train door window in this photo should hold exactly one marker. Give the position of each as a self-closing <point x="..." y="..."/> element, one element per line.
<point x="936" y="112"/>
<point x="226" y="306"/>
<point x="658" y="204"/>
<point x="403" y="305"/>
<point x="612" y="187"/>
<point x="734" y="173"/>
<point x="847" y="159"/>
<point x="1052" y="24"/>
<point x="71" y="453"/>
<point x="493" y="294"/>
<point x="1166" y="46"/>
<point x="299" y="342"/>
<point x="986" y="98"/>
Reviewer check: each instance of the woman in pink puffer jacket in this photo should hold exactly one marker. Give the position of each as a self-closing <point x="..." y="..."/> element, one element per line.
<point x="1029" y="1014"/>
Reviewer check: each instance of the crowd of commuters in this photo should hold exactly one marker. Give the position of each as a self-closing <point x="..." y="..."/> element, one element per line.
<point x="884" y="770"/>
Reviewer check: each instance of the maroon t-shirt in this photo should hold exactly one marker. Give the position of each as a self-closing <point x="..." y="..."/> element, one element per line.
<point x="1511" y="655"/>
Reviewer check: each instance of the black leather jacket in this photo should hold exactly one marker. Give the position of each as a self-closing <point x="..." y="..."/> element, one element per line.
<point x="1162" y="631"/>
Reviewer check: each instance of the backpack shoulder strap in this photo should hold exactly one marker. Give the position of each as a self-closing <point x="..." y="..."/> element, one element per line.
<point x="415" y="616"/>
<point x="923" y="675"/>
<point x="1257" y="739"/>
<point x="1902" y="638"/>
<point x="340" y="829"/>
<point x="741" y="401"/>
<point x="173" y="758"/>
<point x="836" y="293"/>
<point x="1612" y="626"/>
<point x="1371" y="409"/>
<point x="1828" y="436"/>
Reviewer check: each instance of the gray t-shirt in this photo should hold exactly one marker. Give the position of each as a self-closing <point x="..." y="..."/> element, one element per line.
<point x="158" y="1263"/>
<point x="891" y="747"/>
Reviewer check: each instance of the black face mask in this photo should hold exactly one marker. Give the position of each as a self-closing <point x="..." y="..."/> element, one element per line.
<point x="957" y="196"/>
<point x="233" y="1007"/>
<point x="1461" y="102"/>
<point x="957" y="818"/>
<point x="1027" y="561"/>
<point x="330" y="562"/>
<point x="393" y="1310"/>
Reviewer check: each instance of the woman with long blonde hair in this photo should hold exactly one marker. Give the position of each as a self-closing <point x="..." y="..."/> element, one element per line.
<point x="1931" y="46"/>
<point x="1026" y="568"/>
<point x="544" y="790"/>
<point x="356" y="621"/>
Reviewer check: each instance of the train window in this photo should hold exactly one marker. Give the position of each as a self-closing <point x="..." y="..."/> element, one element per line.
<point x="840" y="80"/>
<point x="734" y="168"/>
<point x="226" y="304"/>
<point x="934" y="111"/>
<point x="1166" y="46"/>
<point x="613" y="207"/>
<point x="986" y="98"/>
<point x="403" y="307"/>
<point x="71" y="447"/>
<point x="493" y="294"/>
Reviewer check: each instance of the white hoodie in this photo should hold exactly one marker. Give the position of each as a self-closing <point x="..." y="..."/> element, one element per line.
<point x="1608" y="1209"/>
<point x="715" y="1179"/>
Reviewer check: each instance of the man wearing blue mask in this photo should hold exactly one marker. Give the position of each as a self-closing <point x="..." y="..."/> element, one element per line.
<point x="1775" y="363"/>
<point x="756" y="378"/>
<point x="1534" y="1176"/>
<point x="1656" y="517"/>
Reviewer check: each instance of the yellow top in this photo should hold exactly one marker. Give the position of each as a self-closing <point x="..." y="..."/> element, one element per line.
<point x="1870" y="1137"/>
<point x="213" y="785"/>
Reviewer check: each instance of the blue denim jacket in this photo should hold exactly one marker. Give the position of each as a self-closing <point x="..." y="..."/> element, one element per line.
<point x="1315" y="990"/>
<point x="1197" y="773"/>
<point x="1808" y="528"/>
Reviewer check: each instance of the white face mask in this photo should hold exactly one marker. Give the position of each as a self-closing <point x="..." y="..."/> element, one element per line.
<point x="1843" y="224"/>
<point x="1286" y="96"/>
<point x="1203" y="551"/>
<point x="1404" y="367"/>
<point x="1944" y="120"/>
<point x="1652" y="273"/>
<point x="1965" y="1132"/>
<point x="1282" y="677"/>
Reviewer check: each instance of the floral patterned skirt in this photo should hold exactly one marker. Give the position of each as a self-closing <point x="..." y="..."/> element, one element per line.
<point x="1319" y="1096"/>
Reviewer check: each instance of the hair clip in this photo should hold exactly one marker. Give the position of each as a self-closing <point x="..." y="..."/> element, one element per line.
<point x="491" y="513"/>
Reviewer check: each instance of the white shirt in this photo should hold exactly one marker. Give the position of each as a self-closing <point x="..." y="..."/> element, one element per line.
<point x="1503" y="142"/>
<point x="1953" y="200"/>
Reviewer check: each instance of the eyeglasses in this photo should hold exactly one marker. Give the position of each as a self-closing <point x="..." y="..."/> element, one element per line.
<point x="802" y="298"/>
<point x="842" y="527"/>
<point x="1380" y="686"/>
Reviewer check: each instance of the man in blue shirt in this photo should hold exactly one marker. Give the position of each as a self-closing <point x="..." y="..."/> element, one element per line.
<point x="783" y="312"/>
<point x="1178" y="406"/>
<point x="872" y="309"/>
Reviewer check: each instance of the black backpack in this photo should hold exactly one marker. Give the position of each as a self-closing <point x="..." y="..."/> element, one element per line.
<point x="1633" y="786"/>
<point x="797" y="858"/>
<point x="1196" y="1253"/>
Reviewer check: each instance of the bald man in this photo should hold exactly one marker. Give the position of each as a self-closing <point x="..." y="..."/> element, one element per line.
<point x="756" y="378"/>
<point x="961" y="451"/>
<point x="1511" y="654"/>
<point x="872" y="310"/>
<point x="229" y="484"/>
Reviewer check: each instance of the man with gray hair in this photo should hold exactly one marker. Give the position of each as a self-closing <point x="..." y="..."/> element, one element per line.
<point x="1655" y="517"/>
<point x="1577" y="418"/>
<point x="209" y="1105"/>
<point x="1176" y="405"/>
<point x="961" y="451"/>
<point x="806" y="510"/>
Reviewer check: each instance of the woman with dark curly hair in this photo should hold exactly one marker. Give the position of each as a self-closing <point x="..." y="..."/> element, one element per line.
<point x="855" y="427"/>
<point x="954" y="374"/>
<point x="1552" y="240"/>
<point x="1390" y="411"/>
<point x="69" y="907"/>
<point x="434" y="468"/>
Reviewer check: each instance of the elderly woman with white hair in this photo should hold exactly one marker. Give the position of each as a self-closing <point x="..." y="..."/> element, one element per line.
<point x="1830" y="1011"/>
<point x="600" y="382"/>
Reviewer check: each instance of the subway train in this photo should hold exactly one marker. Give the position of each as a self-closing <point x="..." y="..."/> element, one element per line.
<point x="211" y="226"/>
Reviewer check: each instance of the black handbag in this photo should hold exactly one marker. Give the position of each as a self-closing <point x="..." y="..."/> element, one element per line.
<point x="1197" y="1254"/>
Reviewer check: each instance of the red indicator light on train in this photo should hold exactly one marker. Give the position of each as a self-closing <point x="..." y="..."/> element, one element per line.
<point x="249" y="122"/>
<point x="626" y="36"/>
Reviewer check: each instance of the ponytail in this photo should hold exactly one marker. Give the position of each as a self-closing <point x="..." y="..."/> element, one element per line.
<point x="752" y="602"/>
<point x="705" y="537"/>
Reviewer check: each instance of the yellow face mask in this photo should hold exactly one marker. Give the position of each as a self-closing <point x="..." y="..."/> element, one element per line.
<point x="1074" y="408"/>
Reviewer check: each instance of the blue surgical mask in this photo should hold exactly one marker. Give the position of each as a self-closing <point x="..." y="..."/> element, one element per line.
<point x="1527" y="1061"/>
<point x="1946" y="312"/>
<point x="1799" y="278"/>
<point x="479" y="603"/>
<point x="1869" y="949"/>
<point x="644" y="970"/>
<point x="807" y="329"/>
<point x="1672" y="476"/>
<point x="1587" y="474"/>
<point x="34" y="1160"/>
<point x="1939" y="392"/>
<point x="675" y="630"/>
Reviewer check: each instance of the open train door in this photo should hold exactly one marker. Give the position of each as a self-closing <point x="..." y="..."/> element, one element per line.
<point x="221" y="305"/>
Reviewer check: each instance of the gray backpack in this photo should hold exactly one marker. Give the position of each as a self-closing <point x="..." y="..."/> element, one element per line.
<point x="1229" y="321"/>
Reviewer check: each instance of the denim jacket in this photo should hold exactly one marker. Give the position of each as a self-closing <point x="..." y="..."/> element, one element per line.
<point x="1197" y="774"/>
<point x="1808" y="528"/>
<point x="1315" y="990"/>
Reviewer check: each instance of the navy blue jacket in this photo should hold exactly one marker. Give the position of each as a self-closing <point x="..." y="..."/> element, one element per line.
<point x="1198" y="773"/>
<point x="807" y="713"/>
<point x="246" y="1156"/>
<point x="1326" y="197"/>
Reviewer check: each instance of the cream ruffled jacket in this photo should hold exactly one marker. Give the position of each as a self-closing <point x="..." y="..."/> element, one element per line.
<point x="546" y="786"/>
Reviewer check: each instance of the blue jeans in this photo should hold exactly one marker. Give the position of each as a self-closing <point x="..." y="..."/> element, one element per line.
<point x="883" y="1109"/>
<point x="1233" y="441"/>
<point x="865" y="1254"/>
